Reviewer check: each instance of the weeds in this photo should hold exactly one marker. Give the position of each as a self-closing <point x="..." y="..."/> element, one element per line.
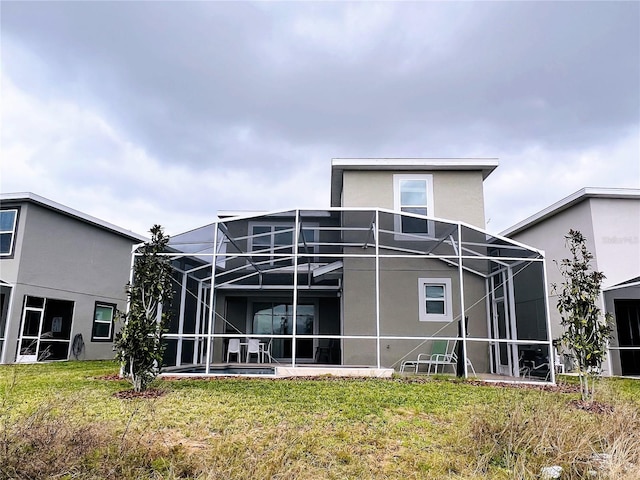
<point x="544" y="433"/>
<point x="62" y="421"/>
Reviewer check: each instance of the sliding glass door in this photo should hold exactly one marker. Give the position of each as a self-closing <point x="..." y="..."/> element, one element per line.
<point x="276" y="318"/>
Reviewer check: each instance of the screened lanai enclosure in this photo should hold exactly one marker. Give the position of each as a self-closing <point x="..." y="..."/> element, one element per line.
<point x="356" y="288"/>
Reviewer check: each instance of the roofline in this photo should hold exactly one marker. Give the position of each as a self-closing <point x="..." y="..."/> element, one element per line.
<point x="620" y="286"/>
<point x="339" y="165"/>
<point x="63" y="209"/>
<point x="571" y="200"/>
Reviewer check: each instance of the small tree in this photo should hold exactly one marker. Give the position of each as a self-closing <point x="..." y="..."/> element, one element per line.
<point x="139" y="343"/>
<point x="586" y="331"/>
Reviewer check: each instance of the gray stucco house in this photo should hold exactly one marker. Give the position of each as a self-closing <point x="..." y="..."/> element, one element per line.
<point x="610" y="220"/>
<point x="62" y="275"/>
<point x="399" y="261"/>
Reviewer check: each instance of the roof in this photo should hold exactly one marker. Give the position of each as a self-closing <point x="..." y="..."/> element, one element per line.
<point x="339" y="165"/>
<point x="70" y="212"/>
<point x="632" y="282"/>
<point x="568" y="202"/>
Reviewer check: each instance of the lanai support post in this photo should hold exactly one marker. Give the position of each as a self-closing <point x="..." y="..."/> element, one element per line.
<point x="295" y="288"/>
<point x="376" y="239"/>
<point x="462" y="305"/>
<point x="552" y="359"/>
<point x="212" y="301"/>
<point x="183" y="298"/>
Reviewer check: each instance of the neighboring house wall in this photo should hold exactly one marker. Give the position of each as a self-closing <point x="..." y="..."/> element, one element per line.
<point x="616" y="236"/>
<point x="457" y="195"/>
<point x="611" y="224"/>
<point x="549" y="236"/>
<point x="59" y="257"/>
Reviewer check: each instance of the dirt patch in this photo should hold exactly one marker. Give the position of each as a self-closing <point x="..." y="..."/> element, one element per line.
<point x="558" y="388"/>
<point x="113" y="376"/>
<point x="591" y="407"/>
<point x="149" y="393"/>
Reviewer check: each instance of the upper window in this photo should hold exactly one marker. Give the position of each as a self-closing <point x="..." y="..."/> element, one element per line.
<point x="435" y="299"/>
<point x="278" y="239"/>
<point x="8" y="221"/>
<point x="103" y="322"/>
<point x="413" y="194"/>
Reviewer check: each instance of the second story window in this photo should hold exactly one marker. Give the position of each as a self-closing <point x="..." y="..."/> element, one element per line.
<point x="413" y="194"/>
<point x="269" y="239"/>
<point x="8" y="220"/>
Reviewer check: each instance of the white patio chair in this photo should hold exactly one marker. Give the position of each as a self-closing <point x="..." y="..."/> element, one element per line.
<point x="233" y="348"/>
<point x="266" y="352"/>
<point x="558" y="361"/>
<point x="253" y="348"/>
<point x="439" y="356"/>
<point x="443" y="353"/>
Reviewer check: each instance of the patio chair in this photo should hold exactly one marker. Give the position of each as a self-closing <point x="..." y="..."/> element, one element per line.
<point x="266" y="352"/>
<point x="326" y="351"/>
<point x="440" y="355"/>
<point x="233" y="348"/>
<point x="534" y="363"/>
<point x="253" y="348"/>
<point x="558" y="361"/>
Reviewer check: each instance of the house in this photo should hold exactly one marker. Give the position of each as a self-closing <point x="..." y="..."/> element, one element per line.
<point x="609" y="218"/>
<point x="62" y="277"/>
<point x="399" y="260"/>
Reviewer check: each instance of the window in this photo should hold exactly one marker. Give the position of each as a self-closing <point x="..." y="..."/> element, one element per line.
<point x="103" y="322"/>
<point x="8" y="221"/>
<point x="413" y="194"/>
<point x="278" y="239"/>
<point x="435" y="299"/>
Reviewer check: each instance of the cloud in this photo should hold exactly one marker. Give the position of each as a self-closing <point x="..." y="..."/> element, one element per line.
<point x="165" y="112"/>
<point x="531" y="180"/>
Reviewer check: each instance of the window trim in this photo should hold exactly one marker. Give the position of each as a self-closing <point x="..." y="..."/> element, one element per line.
<point x="397" y="204"/>
<point x="114" y="308"/>
<point x="447" y="316"/>
<point x="13" y="231"/>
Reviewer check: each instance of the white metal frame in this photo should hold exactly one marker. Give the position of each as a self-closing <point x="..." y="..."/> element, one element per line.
<point x="461" y="250"/>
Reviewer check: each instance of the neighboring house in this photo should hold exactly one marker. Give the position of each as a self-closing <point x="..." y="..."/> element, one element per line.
<point x="62" y="276"/>
<point x="399" y="260"/>
<point x="609" y="218"/>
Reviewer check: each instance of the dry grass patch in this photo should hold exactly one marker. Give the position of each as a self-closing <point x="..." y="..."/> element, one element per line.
<point x="530" y="436"/>
<point x="62" y="421"/>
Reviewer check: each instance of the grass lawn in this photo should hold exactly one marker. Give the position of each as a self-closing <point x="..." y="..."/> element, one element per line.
<point x="62" y="420"/>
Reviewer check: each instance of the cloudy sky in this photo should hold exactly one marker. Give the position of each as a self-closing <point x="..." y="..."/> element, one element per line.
<point x="142" y="113"/>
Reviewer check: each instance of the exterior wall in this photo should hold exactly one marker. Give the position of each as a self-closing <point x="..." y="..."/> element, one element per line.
<point x="63" y="258"/>
<point x="549" y="236"/>
<point x="616" y="238"/>
<point x="457" y="195"/>
<point x="400" y="310"/>
<point x="612" y="229"/>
